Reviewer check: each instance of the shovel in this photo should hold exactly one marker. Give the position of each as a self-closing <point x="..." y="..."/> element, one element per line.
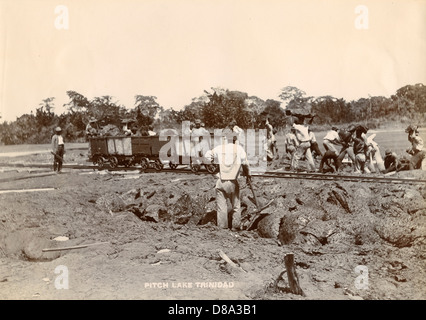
<point x="257" y="215"/>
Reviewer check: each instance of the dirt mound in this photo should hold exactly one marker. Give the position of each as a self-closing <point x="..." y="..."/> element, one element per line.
<point x="160" y="228"/>
<point x="28" y="245"/>
<point x="167" y="204"/>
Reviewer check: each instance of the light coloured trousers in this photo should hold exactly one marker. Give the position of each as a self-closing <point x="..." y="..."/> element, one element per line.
<point x="329" y="146"/>
<point x="303" y="149"/>
<point x="228" y="189"/>
<point x="360" y="163"/>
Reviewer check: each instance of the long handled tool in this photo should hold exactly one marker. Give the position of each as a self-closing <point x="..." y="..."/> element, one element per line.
<point x="257" y="215"/>
<point x="57" y="156"/>
<point x="252" y="191"/>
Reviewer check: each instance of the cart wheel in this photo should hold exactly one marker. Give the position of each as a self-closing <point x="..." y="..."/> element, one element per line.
<point x="212" y="168"/>
<point x="144" y="163"/>
<point x="158" y="165"/>
<point x="172" y="165"/>
<point x="195" y="167"/>
<point x="100" y="162"/>
<point x="113" y="162"/>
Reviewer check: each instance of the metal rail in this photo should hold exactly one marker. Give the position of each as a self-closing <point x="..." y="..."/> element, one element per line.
<point x="268" y="174"/>
<point x="335" y="177"/>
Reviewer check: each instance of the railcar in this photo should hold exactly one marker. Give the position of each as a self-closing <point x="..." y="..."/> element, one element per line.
<point x="145" y="152"/>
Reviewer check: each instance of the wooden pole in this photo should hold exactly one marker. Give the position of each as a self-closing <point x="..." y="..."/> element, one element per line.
<point x="293" y="279"/>
<point x="228" y="260"/>
<point x="73" y="247"/>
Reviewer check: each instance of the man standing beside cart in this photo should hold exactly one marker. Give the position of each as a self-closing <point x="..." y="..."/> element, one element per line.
<point x="58" y="149"/>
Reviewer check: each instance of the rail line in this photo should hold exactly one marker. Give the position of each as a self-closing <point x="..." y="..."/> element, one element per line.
<point x="267" y="174"/>
<point x="340" y="177"/>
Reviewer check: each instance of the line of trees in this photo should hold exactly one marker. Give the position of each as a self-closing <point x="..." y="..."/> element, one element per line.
<point x="216" y="108"/>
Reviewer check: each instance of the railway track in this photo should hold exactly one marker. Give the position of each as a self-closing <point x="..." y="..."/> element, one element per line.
<point x="341" y="177"/>
<point x="269" y="174"/>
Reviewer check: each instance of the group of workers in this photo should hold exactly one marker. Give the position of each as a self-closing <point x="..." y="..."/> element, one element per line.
<point x="353" y="143"/>
<point x="301" y="142"/>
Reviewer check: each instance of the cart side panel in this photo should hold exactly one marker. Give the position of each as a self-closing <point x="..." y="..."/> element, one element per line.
<point x="111" y="145"/>
<point x="127" y="146"/>
<point x="156" y="144"/>
<point x="120" y="145"/>
<point x="98" y="146"/>
<point x="141" y="145"/>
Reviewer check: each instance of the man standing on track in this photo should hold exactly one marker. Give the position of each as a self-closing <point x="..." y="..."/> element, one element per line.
<point x="58" y="149"/>
<point x="91" y="131"/>
<point x="360" y="148"/>
<point x="200" y="140"/>
<point x="291" y="142"/>
<point x="303" y="149"/>
<point x="314" y="144"/>
<point x="268" y="141"/>
<point x="230" y="157"/>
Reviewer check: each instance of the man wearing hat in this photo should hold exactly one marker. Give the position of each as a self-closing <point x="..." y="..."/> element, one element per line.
<point x="91" y="131"/>
<point x="91" y="128"/>
<point x="201" y="141"/>
<point x="391" y="161"/>
<point x="239" y="133"/>
<point x="58" y="149"/>
<point x="418" y="154"/>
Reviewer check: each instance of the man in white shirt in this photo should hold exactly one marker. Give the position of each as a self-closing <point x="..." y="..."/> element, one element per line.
<point x="230" y="157"/>
<point x="314" y="144"/>
<point x="331" y="140"/>
<point x="151" y="131"/>
<point x="303" y="149"/>
<point x="58" y="149"/>
<point x="239" y="133"/>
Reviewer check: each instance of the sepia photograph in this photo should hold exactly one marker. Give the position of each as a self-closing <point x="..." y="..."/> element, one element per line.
<point x="216" y="151"/>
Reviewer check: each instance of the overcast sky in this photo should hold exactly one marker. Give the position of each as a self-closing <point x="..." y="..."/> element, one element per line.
<point x="175" y="49"/>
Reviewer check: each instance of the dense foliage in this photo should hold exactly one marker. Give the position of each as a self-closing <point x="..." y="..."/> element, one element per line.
<point x="216" y="108"/>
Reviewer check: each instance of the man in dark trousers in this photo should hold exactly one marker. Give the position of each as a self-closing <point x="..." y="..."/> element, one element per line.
<point x="58" y="149"/>
<point x="393" y="163"/>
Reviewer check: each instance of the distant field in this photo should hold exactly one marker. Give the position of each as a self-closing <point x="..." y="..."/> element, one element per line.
<point x="24" y="149"/>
